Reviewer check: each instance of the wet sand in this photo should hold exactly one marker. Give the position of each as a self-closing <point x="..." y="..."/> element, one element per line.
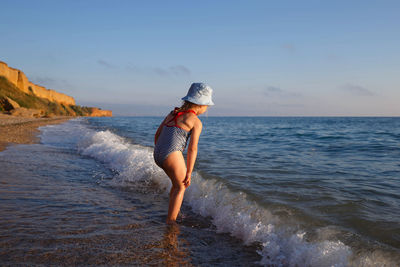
<point x="19" y="130"/>
<point x="62" y="209"/>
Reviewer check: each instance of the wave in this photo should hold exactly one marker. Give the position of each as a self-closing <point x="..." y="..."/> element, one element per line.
<point x="231" y="212"/>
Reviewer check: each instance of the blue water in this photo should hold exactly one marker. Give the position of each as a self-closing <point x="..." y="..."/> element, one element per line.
<point x="342" y="173"/>
<point x="287" y="191"/>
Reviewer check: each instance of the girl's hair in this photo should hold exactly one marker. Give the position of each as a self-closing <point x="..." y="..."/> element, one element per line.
<point x="186" y="105"/>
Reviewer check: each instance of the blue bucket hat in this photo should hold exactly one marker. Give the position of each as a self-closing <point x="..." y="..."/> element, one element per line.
<point x="200" y="94"/>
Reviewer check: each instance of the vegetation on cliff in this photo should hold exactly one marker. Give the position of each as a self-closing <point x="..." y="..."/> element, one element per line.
<point x="43" y="106"/>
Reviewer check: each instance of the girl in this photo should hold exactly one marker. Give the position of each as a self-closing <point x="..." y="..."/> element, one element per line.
<point x="171" y="138"/>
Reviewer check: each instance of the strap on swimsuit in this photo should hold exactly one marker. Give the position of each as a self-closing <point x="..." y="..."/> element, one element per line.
<point x="177" y="114"/>
<point x="173" y="138"/>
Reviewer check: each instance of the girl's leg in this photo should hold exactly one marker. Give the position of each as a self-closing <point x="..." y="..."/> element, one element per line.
<point x="175" y="167"/>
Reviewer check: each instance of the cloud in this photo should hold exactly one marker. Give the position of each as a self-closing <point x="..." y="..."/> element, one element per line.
<point x="43" y="80"/>
<point x="289" y="48"/>
<point x="49" y="82"/>
<point x="160" y="71"/>
<point x="273" y="91"/>
<point x="105" y="64"/>
<point x="357" y="90"/>
<point x="135" y="69"/>
<point x="177" y="70"/>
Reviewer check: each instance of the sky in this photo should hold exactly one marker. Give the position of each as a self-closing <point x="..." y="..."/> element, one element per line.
<point x="262" y="58"/>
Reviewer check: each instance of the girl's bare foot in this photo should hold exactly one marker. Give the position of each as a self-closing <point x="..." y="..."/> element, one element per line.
<point x="171" y="222"/>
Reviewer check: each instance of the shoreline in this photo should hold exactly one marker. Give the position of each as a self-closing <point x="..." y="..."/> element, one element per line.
<point x="20" y="130"/>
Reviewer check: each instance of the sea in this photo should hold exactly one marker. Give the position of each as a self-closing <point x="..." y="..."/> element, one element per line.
<point x="266" y="191"/>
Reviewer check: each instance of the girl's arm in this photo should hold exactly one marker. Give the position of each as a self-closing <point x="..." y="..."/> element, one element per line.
<point x="192" y="151"/>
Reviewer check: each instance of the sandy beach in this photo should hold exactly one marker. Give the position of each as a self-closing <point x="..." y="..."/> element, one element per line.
<point x="19" y="130"/>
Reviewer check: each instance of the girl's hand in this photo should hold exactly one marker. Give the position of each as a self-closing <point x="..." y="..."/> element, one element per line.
<point x="187" y="179"/>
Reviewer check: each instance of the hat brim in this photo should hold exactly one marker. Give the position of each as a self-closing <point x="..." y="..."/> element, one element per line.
<point x="198" y="101"/>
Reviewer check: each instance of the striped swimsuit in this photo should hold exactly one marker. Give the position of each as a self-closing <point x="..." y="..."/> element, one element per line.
<point x="172" y="138"/>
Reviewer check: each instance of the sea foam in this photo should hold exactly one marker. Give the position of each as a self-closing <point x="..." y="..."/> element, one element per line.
<point x="231" y="212"/>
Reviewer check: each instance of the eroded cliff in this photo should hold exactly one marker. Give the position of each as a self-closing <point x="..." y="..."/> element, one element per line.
<point x="15" y="86"/>
<point x="19" y="79"/>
